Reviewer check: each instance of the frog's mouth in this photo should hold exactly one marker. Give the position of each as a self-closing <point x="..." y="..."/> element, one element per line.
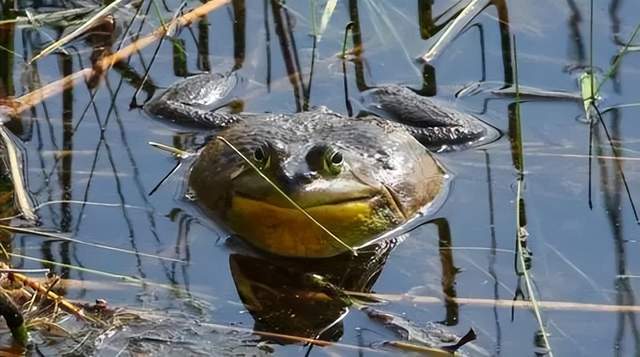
<point x="337" y="192"/>
<point x="273" y="224"/>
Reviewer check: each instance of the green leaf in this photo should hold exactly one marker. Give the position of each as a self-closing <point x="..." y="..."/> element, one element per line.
<point x="329" y="8"/>
<point x="588" y="85"/>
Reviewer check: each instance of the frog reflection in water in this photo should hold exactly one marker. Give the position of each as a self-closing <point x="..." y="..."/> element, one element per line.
<point x="358" y="176"/>
<point x="298" y="297"/>
<point x="283" y="296"/>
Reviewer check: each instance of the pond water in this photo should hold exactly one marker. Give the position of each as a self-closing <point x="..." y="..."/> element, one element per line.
<point x="91" y="170"/>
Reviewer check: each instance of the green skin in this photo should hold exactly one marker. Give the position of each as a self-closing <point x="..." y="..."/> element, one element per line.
<point x="358" y="176"/>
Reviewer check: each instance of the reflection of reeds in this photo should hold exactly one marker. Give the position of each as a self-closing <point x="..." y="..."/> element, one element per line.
<point x="523" y="256"/>
<point x="288" y="47"/>
<point x="99" y="67"/>
<point x="494" y="244"/>
<point x="618" y="162"/>
<point x="77" y="32"/>
<point x="30" y="99"/>
<point x="590" y="90"/>
<point x="610" y="183"/>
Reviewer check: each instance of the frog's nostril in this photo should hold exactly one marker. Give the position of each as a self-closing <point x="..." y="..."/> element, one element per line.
<point x="292" y="182"/>
<point x="305" y="177"/>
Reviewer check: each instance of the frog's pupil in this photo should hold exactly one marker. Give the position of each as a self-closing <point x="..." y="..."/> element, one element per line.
<point x="259" y="155"/>
<point x="336" y="158"/>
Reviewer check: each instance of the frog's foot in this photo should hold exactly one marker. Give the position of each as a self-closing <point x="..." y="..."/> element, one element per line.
<point x="187" y="102"/>
<point x="434" y="123"/>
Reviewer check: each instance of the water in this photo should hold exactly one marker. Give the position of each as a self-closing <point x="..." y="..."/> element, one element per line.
<point x="579" y="254"/>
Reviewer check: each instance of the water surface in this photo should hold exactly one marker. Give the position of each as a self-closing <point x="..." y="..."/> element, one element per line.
<point x="90" y="144"/>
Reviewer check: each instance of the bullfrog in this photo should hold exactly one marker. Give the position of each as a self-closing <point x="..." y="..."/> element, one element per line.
<point x="358" y="176"/>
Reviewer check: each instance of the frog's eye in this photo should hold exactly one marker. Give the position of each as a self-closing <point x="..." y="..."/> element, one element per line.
<point x="333" y="161"/>
<point x="261" y="157"/>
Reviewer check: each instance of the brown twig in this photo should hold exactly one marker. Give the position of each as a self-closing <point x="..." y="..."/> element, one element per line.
<point x="66" y="305"/>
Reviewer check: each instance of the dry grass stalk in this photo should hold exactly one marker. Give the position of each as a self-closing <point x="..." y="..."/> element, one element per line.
<point x="61" y="301"/>
<point x="518" y="304"/>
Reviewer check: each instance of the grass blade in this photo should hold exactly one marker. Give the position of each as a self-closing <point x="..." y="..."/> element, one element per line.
<point x="616" y="62"/>
<point x="521" y="230"/>
<point x="454" y="28"/>
<point x="329" y="8"/>
<point x="80" y="30"/>
<point x="58" y="18"/>
<point x="126" y="279"/>
<point x="77" y="241"/>
<point x="501" y="303"/>
<point x="181" y="154"/>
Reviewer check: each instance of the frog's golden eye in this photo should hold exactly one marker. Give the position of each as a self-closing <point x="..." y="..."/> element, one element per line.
<point x="261" y="157"/>
<point x="333" y="161"/>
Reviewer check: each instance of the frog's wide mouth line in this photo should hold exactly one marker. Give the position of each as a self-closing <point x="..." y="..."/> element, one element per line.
<point x="335" y="202"/>
<point x="324" y="201"/>
<point x="289" y="232"/>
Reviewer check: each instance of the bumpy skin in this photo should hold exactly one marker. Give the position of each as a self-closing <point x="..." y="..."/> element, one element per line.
<point x="384" y="167"/>
<point x="383" y="178"/>
<point x="432" y="122"/>
<point x="188" y="102"/>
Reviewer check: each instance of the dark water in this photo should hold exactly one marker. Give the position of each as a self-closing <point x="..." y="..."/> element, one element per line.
<point x="579" y="254"/>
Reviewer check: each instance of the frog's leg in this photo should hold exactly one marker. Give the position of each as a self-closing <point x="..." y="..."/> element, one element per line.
<point x="187" y="102"/>
<point x="434" y="123"/>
